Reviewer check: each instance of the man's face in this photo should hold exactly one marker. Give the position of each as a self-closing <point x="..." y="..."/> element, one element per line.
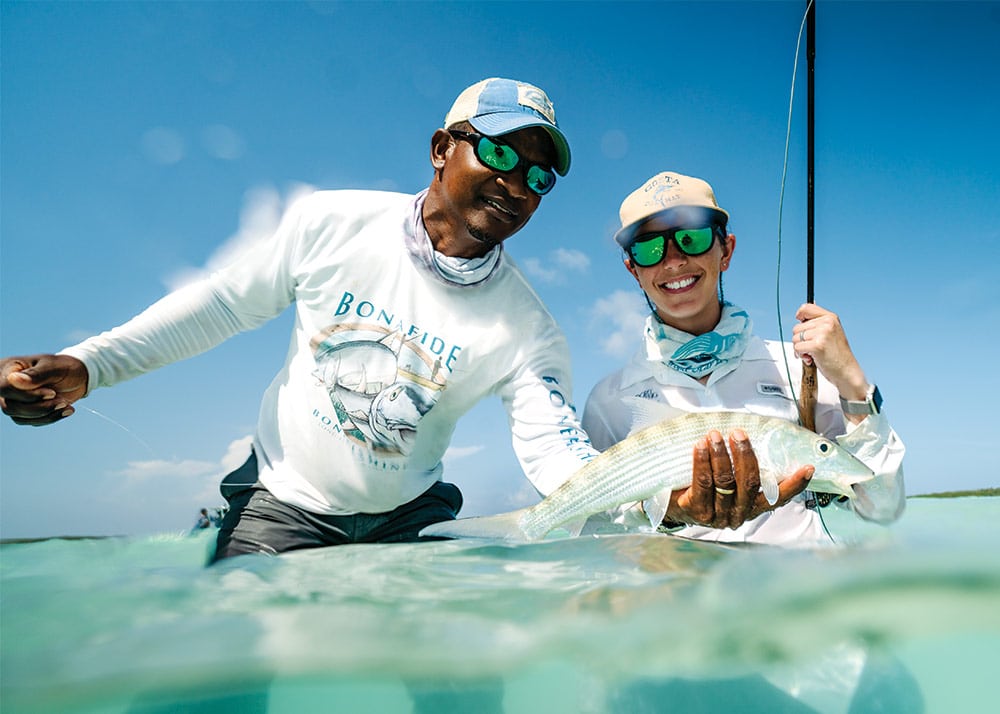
<point x="487" y="206"/>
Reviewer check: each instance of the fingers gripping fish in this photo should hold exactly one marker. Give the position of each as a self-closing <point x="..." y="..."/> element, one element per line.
<point x="656" y="460"/>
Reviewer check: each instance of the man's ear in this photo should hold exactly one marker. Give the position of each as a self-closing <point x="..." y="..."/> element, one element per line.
<point x="441" y="143"/>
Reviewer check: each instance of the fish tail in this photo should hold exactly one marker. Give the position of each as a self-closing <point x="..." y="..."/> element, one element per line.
<point x="503" y="526"/>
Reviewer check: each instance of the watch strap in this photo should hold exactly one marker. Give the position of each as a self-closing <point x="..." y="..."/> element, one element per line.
<point x="872" y="403"/>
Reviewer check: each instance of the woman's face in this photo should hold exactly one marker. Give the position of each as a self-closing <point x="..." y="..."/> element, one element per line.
<point x="685" y="288"/>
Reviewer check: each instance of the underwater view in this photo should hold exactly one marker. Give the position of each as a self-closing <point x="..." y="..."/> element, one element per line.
<point x="899" y="619"/>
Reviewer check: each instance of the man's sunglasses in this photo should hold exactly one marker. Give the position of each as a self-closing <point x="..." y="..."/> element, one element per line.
<point x="649" y="248"/>
<point x="501" y="157"/>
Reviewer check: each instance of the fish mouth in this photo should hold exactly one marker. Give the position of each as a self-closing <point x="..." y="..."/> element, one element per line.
<point x="406" y="436"/>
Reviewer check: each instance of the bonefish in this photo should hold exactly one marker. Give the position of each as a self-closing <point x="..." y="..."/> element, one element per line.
<point x="656" y="460"/>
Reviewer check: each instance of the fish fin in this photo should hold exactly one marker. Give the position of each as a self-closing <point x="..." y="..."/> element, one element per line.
<point x="646" y="412"/>
<point x="569" y="529"/>
<point x="655" y="507"/>
<point x="573" y="528"/>
<point x="769" y="485"/>
<point x="502" y="526"/>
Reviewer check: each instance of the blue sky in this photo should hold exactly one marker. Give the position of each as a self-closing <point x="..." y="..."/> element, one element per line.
<point x="142" y="141"/>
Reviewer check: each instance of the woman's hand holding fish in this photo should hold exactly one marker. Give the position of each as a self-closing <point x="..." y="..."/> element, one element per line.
<point x="40" y="389"/>
<point x="725" y="485"/>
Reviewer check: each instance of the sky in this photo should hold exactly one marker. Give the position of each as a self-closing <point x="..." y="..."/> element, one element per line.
<point x="144" y="142"/>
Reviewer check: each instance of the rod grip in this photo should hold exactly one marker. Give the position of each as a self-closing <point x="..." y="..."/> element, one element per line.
<point x="807" y="397"/>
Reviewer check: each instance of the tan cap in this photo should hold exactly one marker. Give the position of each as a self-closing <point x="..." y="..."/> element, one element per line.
<point x="677" y="200"/>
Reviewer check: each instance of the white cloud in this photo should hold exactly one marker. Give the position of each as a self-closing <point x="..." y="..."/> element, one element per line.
<point x="179" y="486"/>
<point x="621" y="316"/>
<point x="236" y="453"/>
<point x="160" y="468"/>
<point x="572" y="260"/>
<point x="533" y="267"/>
<point x="562" y="262"/>
<point x="497" y="493"/>
<point x="263" y="207"/>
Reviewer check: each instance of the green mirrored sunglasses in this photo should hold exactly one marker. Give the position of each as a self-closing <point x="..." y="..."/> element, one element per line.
<point x="496" y="155"/>
<point x="649" y="248"/>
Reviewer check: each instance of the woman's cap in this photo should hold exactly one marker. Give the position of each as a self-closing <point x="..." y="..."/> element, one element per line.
<point x="676" y="200"/>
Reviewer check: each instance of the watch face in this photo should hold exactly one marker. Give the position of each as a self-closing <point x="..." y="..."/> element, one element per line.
<point x="875" y="400"/>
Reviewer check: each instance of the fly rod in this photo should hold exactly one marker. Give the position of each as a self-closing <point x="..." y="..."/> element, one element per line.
<point x="807" y="390"/>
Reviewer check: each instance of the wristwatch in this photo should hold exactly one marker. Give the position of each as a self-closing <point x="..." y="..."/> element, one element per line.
<point x="871" y="405"/>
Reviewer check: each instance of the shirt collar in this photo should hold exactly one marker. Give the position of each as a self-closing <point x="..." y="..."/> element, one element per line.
<point x="459" y="272"/>
<point x="641" y="367"/>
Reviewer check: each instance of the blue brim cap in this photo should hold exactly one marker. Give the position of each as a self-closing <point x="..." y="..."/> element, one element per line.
<point x="500" y="106"/>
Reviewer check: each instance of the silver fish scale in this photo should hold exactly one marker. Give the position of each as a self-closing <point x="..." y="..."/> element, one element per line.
<point x="658" y="457"/>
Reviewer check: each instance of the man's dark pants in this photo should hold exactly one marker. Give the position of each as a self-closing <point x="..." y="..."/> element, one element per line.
<point x="257" y="522"/>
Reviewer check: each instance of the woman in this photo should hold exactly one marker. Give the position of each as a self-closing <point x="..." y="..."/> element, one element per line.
<point x="699" y="353"/>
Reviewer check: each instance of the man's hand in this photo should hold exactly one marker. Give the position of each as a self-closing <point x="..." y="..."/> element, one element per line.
<point x="725" y="492"/>
<point x="40" y="389"/>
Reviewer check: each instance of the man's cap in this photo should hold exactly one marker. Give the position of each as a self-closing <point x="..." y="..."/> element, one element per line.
<point x="674" y="201"/>
<point x="498" y="106"/>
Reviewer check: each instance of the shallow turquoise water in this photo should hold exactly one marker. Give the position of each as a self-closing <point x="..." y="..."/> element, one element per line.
<point x="617" y="623"/>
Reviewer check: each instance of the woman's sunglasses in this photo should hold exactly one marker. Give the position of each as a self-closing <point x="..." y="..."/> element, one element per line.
<point x="501" y="157"/>
<point x="649" y="248"/>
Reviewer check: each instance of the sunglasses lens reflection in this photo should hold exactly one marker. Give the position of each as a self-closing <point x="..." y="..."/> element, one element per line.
<point x="647" y="251"/>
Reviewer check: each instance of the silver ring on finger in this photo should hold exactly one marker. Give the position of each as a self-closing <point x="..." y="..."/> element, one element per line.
<point x="725" y="491"/>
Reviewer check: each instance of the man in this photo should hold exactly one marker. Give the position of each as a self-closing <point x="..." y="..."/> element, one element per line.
<point x="203" y="520"/>
<point x="407" y="312"/>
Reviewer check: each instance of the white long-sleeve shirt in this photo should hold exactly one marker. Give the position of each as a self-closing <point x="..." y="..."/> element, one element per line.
<point x="386" y="354"/>
<point x="758" y="385"/>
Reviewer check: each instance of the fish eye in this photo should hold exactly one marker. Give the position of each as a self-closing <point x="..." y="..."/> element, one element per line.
<point x="823" y="447"/>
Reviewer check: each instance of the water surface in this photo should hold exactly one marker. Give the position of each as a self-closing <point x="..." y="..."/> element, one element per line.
<point x="905" y="617"/>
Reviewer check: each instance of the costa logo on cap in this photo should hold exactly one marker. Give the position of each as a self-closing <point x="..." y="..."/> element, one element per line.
<point x="535" y="98"/>
<point x="670" y="197"/>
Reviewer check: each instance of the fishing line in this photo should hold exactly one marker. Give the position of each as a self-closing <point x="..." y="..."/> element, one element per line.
<point x="781" y="203"/>
<point x="120" y="426"/>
